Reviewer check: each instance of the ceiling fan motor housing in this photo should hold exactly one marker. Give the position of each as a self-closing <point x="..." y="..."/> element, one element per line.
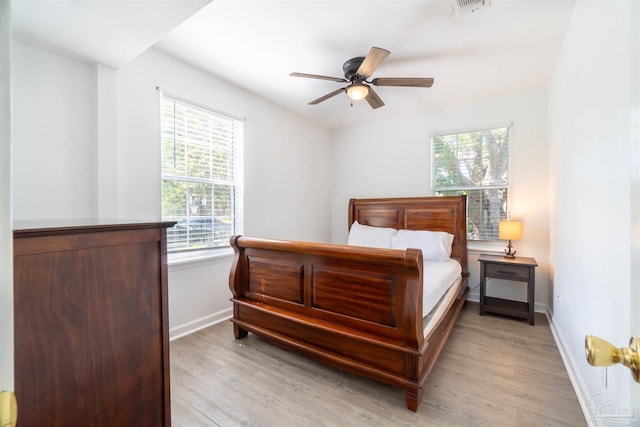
<point x="351" y="66"/>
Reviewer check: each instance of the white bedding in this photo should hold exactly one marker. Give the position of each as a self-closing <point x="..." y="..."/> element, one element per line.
<point x="438" y="278"/>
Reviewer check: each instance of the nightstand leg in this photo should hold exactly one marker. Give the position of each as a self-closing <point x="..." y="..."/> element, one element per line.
<point x="532" y="295"/>
<point x="483" y="288"/>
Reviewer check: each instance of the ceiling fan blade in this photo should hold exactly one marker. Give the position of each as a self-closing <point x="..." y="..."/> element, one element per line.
<point x="315" y="76"/>
<point x="373" y="99"/>
<point x="373" y="59"/>
<point x="403" y="81"/>
<point x="327" y="96"/>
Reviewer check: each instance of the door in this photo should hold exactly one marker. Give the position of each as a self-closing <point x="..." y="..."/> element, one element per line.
<point x="635" y="188"/>
<point x="624" y="414"/>
<point x="6" y="256"/>
<point x="632" y="412"/>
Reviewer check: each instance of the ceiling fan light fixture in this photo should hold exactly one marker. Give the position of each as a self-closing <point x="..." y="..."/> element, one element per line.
<point x="357" y="91"/>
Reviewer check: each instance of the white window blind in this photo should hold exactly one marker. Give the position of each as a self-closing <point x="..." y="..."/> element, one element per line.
<point x="201" y="175"/>
<point x="476" y="164"/>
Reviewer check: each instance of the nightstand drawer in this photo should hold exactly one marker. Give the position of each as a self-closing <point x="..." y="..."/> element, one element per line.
<point x="503" y="271"/>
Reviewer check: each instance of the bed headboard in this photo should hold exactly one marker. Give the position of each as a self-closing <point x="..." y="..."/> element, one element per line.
<point x="417" y="213"/>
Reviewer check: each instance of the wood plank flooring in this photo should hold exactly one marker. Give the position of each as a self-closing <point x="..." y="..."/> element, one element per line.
<point x="494" y="371"/>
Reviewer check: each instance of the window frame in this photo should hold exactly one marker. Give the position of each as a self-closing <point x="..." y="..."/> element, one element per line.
<point x="476" y="244"/>
<point x="205" y="254"/>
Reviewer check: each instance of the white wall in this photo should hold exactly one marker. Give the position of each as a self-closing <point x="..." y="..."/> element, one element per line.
<point x="198" y="295"/>
<point x="54" y="135"/>
<point x="391" y="158"/>
<point x="590" y="176"/>
<point x="87" y="143"/>
<point x="106" y="141"/>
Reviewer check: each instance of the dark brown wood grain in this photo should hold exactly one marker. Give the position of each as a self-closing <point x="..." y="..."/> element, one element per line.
<point x="91" y="326"/>
<point x="278" y="279"/>
<point x="370" y="297"/>
<point x="354" y="308"/>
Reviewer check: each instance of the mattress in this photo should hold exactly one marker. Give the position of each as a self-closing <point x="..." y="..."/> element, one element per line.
<point x="438" y="277"/>
<point x="441" y="285"/>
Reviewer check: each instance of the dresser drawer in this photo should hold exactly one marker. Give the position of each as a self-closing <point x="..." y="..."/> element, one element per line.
<point x="503" y="271"/>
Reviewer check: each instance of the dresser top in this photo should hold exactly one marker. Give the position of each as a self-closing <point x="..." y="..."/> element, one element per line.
<point x="43" y="227"/>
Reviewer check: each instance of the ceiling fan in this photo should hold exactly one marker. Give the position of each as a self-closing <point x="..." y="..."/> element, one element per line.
<point x="356" y="72"/>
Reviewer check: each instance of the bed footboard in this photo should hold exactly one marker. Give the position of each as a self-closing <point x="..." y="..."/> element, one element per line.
<point x="357" y="309"/>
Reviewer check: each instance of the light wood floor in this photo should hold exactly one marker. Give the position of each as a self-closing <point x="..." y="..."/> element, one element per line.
<point x="494" y="371"/>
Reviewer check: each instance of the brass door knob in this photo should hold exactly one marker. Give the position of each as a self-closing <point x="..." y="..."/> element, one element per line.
<point x="602" y="353"/>
<point x="8" y="409"/>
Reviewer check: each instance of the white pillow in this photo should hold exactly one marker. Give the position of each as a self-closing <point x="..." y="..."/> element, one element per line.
<point x="435" y="245"/>
<point x="366" y="235"/>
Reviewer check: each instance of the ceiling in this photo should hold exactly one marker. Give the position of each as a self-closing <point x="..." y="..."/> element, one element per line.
<point x="506" y="47"/>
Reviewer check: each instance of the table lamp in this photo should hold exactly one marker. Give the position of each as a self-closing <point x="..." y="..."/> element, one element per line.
<point x="510" y="230"/>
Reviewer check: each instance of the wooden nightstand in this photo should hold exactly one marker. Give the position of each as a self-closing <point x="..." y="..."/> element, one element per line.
<point x="520" y="269"/>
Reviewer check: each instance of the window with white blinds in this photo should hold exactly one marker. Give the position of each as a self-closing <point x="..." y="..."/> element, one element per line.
<point x="476" y="164"/>
<point x="201" y="175"/>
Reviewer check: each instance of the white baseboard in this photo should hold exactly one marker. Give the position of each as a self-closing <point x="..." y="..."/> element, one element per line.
<point x="201" y="323"/>
<point x="574" y="376"/>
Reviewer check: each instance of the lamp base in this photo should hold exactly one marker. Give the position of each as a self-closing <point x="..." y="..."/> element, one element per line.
<point x="509" y="252"/>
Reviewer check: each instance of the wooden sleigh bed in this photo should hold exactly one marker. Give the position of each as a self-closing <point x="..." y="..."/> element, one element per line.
<point x="354" y="308"/>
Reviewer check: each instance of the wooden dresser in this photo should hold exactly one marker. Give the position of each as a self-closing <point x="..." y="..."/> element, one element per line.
<point x="91" y="324"/>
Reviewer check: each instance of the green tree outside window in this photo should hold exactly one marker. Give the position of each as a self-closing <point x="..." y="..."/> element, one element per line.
<point x="476" y="164"/>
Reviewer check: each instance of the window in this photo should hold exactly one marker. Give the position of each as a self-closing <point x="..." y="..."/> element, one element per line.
<point x="201" y="175"/>
<point x="476" y="164"/>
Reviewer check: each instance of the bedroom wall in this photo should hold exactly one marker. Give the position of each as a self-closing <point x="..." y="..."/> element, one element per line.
<point x="95" y="150"/>
<point x="391" y="158"/>
<point x="54" y="134"/>
<point x="591" y="174"/>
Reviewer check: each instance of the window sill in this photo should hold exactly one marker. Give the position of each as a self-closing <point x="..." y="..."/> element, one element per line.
<point x="484" y="246"/>
<point x="185" y="260"/>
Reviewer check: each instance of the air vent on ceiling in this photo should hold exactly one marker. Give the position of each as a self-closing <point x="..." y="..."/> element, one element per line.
<point x="469" y="6"/>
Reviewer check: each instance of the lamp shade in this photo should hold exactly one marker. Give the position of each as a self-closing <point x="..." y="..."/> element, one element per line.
<point x="510" y="230"/>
